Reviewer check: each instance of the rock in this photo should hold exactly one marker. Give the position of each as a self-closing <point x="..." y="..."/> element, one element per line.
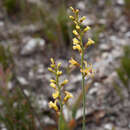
<point x="31" y="46"/>
<point x="1" y="24"/>
<point x="105" y="55"/>
<point x="10" y="85"/>
<point x="31" y="74"/>
<point x="127" y="34"/>
<point x="117" y="53"/>
<point x="102" y="21"/>
<point x="110" y="78"/>
<point x="40" y="69"/>
<point x="3" y="127"/>
<point x="81" y="5"/>
<point x="105" y="47"/>
<point x="22" y="80"/>
<point x="101" y="3"/>
<point x="48" y="120"/>
<point x="42" y="102"/>
<point x="93" y="91"/>
<point x="120" y="2"/>
<point x="27" y="93"/>
<point x="108" y="126"/>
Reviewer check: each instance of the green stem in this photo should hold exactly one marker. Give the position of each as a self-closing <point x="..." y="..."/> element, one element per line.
<point x="61" y="105"/>
<point x="83" y="86"/>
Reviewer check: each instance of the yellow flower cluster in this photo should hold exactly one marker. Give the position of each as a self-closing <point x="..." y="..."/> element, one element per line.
<point x="60" y="96"/>
<point x="79" y="32"/>
<point x="88" y="70"/>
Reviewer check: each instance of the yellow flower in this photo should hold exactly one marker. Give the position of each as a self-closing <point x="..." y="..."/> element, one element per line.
<point x="73" y="10"/>
<point x="77" y="11"/>
<point x="85" y="71"/>
<point x="77" y="47"/>
<point x="68" y="95"/>
<point x="86" y="29"/>
<point x="53" y="65"/>
<point x="56" y="94"/>
<point x="75" y="22"/>
<point x="88" y="71"/>
<point x="75" y="33"/>
<point x="71" y="17"/>
<point x="86" y="64"/>
<point x="75" y="41"/>
<point x="77" y="27"/>
<point x="52" y="61"/>
<point x="52" y="81"/>
<point x="50" y="69"/>
<point x="53" y="85"/>
<point x="59" y="73"/>
<point x="53" y="105"/>
<point x="82" y="19"/>
<point x="90" y="42"/>
<point x="73" y="62"/>
<point x="59" y="64"/>
<point x="64" y="82"/>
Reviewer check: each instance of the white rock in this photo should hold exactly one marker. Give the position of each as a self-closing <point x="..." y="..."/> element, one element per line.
<point x="102" y="21"/>
<point x="104" y="47"/>
<point x="127" y="34"/>
<point x="117" y="53"/>
<point x="15" y="104"/>
<point x="1" y="24"/>
<point x="48" y="120"/>
<point x="3" y="129"/>
<point x="81" y="5"/>
<point x="93" y="90"/>
<point x="27" y="93"/>
<point x="108" y="126"/>
<point x="10" y="85"/>
<point x="32" y="44"/>
<point x="31" y="74"/>
<point x="113" y="38"/>
<point x="105" y="55"/>
<point x="40" y="68"/>
<point x="22" y="80"/>
<point x="120" y="2"/>
<point x="42" y="103"/>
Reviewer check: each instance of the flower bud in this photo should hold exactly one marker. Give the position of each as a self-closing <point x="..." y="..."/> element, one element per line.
<point x="71" y="17"/>
<point x="86" y="29"/>
<point x="50" y="69"/>
<point x="64" y="82"/>
<point x="75" y="33"/>
<point x="77" y="27"/>
<point x="82" y="19"/>
<point x="59" y="73"/>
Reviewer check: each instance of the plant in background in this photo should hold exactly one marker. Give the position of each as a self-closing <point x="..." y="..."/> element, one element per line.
<point x="85" y="68"/>
<point x="6" y="57"/>
<point x="127" y="5"/>
<point x="14" y="6"/>
<point x="55" y="24"/>
<point x="15" y="113"/>
<point x="60" y="96"/>
<point x="124" y="73"/>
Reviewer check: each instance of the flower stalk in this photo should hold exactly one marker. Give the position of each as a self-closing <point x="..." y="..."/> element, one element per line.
<point x="78" y="45"/>
<point x="60" y="96"/>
